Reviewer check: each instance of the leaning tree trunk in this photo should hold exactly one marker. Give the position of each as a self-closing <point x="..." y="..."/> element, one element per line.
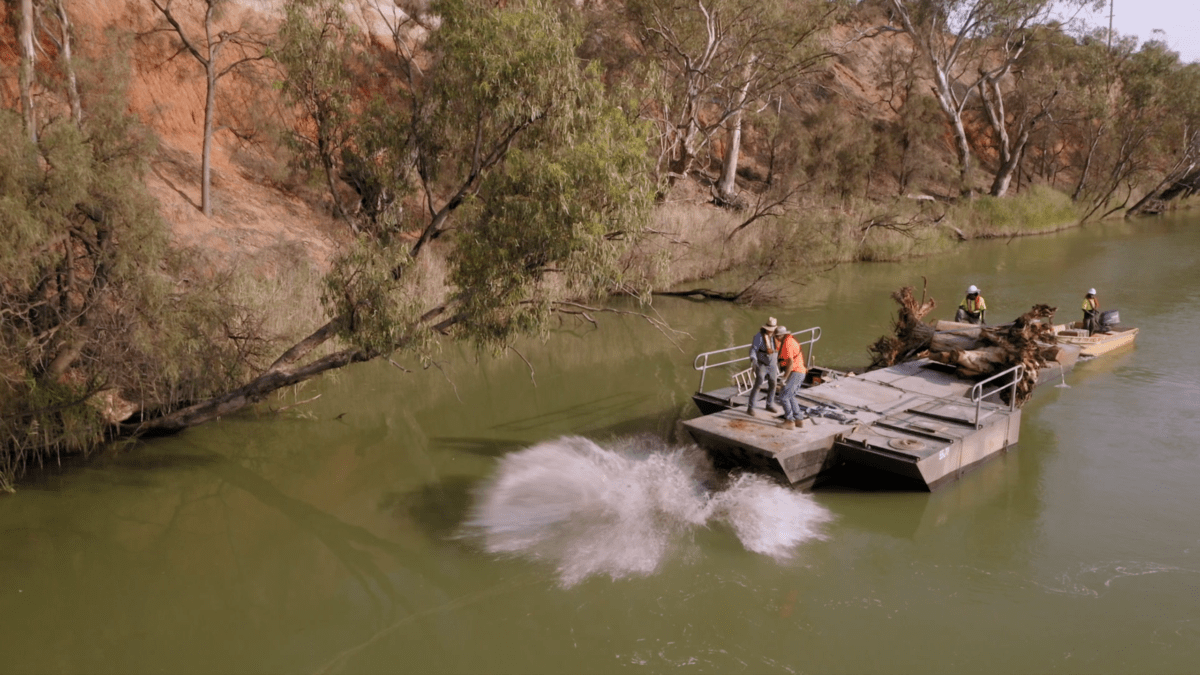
<point x="285" y="372"/>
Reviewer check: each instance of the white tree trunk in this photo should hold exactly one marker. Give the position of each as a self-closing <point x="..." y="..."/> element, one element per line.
<point x="210" y="105"/>
<point x="68" y="64"/>
<point x="26" y="69"/>
<point x="727" y="185"/>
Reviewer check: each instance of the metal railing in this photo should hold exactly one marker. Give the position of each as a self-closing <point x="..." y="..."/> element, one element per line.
<point x="702" y="363"/>
<point x="977" y="394"/>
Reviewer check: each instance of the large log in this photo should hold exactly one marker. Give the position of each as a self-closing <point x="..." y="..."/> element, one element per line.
<point x="975" y="362"/>
<point x="951" y="335"/>
<point x="975" y="351"/>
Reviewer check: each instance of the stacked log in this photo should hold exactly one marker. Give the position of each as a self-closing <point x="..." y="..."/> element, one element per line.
<point x="1029" y="340"/>
<point x="976" y="352"/>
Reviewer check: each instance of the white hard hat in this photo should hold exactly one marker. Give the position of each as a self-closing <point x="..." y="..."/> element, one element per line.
<point x="972" y="289"/>
<point x="781" y="330"/>
<point x="1091" y="291"/>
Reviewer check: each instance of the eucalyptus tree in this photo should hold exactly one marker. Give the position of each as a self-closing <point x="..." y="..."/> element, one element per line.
<point x="1015" y="101"/>
<point x="1079" y="70"/>
<point x="1131" y="140"/>
<point x="914" y="132"/>
<point x="533" y="176"/>
<point x="539" y="179"/>
<point x="62" y="38"/>
<point x="717" y="59"/>
<point x="206" y="45"/>
<point x="317" y="46"/>
<point x="1175" y="144"/>
<point x="970" y="46"/>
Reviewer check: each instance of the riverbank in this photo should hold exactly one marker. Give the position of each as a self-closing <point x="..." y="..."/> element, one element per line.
<point x="700" y="242"/>
<point x="745" y="256"/>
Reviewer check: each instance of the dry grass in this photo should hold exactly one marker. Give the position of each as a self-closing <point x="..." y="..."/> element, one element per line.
<point x="688" y="242"/>
<point x="693" y="242"/>
<point x="1035" y="210"/>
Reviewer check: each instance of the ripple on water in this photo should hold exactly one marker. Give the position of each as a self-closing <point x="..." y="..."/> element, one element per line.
<point x="621" y="510"/>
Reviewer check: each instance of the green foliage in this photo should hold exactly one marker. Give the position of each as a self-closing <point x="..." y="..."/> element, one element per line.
<point x="537" y="220"/>
<point x="20" y="225"/>
<point x="914" y="139"/>
<point x="498" y="73"/>
<point x="570" y="196"/>
<point x="317" y="45"/>
<point x="89" y="317"/>
<point x="547" y="177"/>
<point x="375" y="288"/>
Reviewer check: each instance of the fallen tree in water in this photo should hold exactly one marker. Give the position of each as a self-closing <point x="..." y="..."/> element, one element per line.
<point x="976" y="352"/>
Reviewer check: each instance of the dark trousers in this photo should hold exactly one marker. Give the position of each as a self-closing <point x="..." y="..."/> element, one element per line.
<point x="963" y="316"/>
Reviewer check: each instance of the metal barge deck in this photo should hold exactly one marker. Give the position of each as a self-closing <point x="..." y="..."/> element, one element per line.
<point x="916" y="420"/>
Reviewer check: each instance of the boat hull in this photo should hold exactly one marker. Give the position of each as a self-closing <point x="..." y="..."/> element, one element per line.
<point x="1094" y="345"/>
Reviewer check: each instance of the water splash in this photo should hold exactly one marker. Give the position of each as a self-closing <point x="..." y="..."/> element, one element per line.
<point x="621" y="510"/>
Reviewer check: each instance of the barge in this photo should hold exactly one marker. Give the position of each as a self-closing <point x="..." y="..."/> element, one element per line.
<point x="916" y="420"/>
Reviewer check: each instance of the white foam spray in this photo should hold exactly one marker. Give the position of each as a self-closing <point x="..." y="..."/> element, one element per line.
<point x="621" y="510"/>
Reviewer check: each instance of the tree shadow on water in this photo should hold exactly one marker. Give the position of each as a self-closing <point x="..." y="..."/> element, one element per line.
<point x="437" y="509"/>
<point x="477" y="445"/>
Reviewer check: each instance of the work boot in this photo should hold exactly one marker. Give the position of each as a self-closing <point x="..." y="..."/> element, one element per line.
<point x="750" y="411"/>
<point x="787" y="424"/>
<point x="772" y="409"/>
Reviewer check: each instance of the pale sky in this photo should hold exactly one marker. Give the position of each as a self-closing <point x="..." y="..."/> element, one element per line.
<point x="1178" y="19"/>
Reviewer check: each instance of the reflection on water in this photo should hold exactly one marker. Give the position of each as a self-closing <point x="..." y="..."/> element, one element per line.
<point x="621" y="510"/>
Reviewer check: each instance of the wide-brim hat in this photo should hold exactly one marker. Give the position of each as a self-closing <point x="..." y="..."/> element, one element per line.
<point x="770" y="324"/>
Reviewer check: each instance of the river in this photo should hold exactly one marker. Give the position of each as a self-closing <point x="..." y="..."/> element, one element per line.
<point x="489" y="516"/>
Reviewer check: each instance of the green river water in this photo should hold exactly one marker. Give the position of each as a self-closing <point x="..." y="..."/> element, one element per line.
<point x="401" y="524"/>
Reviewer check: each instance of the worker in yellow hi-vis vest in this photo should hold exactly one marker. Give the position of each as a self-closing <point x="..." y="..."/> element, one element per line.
<point x="973" y="308"/>
<point x="1091" y="312"/>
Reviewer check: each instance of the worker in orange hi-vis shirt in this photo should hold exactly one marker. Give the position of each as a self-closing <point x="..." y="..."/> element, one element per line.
<point x="792" y="370"/>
